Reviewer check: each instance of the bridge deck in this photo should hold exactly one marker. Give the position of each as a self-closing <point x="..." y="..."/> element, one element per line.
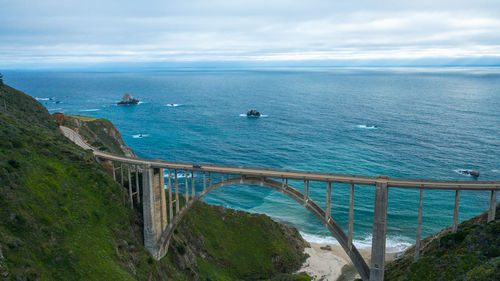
<point x="290" y="174"/>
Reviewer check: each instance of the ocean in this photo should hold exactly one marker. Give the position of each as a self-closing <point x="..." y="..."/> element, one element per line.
<point x="405" y="122"/>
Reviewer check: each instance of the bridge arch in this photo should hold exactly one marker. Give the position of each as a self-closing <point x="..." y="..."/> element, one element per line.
<point x="309" y="204"/>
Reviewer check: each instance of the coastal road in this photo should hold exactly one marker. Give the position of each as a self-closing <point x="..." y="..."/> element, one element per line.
<point x="287" y="174"/>
<point x="75" y="137"/>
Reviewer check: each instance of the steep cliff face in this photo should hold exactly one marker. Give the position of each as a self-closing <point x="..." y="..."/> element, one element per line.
<point x="99" y="133"/>
<point x="62" y="217"/>
<point x="472" y="253"/>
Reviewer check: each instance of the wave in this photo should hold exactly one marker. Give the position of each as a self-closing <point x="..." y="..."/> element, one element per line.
<point x="173" y="105"/>
<point x="44" y="98"/>
<point x="467" y="175"/>
<point x="369" y="127"/>
<point x="245" y="115"/>
<point x="89" y="110"/>
<point x="394" y="244"/>
<point x="179" y="175"/>
<point x="140" y="136"/>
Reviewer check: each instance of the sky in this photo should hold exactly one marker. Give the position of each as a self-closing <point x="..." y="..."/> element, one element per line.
<point x="48" y="33"/>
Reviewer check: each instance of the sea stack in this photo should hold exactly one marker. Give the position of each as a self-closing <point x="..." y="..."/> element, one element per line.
<point x="253" y="113"/>
<point x="128" y="99"/>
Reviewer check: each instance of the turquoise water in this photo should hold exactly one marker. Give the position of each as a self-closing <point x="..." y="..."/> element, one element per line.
<point x="429" y="123"/>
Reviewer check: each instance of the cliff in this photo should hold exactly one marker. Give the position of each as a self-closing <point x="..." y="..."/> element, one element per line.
<point x="62" y="217"/>
<point x="472" y="253"/>
<point x="98" y="132"/>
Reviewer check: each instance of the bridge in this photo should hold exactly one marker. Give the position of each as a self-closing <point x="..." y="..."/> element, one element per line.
<point x="161" y="220"/>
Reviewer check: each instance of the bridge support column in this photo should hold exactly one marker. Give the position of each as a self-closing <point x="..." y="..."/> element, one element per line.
<point x="154" y="210"/>
<point x="493" y="206"/>
<point x="379" y="232"/>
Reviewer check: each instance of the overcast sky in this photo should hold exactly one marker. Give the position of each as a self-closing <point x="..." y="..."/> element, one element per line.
<point x="110" y="31"/>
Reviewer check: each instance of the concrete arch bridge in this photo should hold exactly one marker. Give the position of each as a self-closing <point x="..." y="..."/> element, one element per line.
<point x="161" y="220"/>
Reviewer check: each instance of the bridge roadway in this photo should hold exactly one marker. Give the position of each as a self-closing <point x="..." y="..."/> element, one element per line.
<point x="289" y="174"/>
<point x="158" y="229"/>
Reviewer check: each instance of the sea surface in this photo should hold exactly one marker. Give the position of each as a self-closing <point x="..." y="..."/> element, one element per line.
<point x="411" y="123"/>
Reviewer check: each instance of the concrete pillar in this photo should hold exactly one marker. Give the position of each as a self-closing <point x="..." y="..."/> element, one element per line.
<point x="163" y="199"/>
<point x="454" y="225"/>
<point x="306" y="195"/>
<point x="170" y="204"/>
<point x="350" y="228"/>
<point x="121" y="173"/>
<point x="204" y="182"/>
<point x="130" y="187"/>
<point x="148" y="209"/>
<point x="137" y="187"/>
<point x="152" y="208"/>
<point x="328" y="211"/>
<point x="379" y="232"/>
<point x="193" y="191"/>
<point x="419" y="225"/>
<point x="176" y="193"/>
<point x="186" y="185"/>
<point x="493" y="206"/>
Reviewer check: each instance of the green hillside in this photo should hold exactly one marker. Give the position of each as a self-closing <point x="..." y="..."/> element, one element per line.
<point x="472" y="253"/>
<point x="63" y="218"/>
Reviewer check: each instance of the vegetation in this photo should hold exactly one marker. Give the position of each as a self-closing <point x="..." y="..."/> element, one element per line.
<point x="62" y="217"/>
<point x="472" y="253"/>
<point x="98" y="132"/>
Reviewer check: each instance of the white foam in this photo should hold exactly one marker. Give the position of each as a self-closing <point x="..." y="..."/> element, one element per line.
<point x="42" y="98"/>
<point x="140" y="136"/>
<point x="458" y="172"/>
<point x="179" y="175"/>
<point x="140" y="102"/>
<point x="495" y="171"/>
<point x="369" y="127"/>
<point x="394" y="244"/>
<point x="245" y="115"/>
<point x="173" y="104"/>
<point x="89" y="110"/>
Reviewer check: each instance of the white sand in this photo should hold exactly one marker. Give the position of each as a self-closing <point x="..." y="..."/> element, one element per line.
<point x="326" y="264"/>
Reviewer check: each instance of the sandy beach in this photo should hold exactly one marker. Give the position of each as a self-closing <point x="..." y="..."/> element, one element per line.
<point x="326" y="261"/>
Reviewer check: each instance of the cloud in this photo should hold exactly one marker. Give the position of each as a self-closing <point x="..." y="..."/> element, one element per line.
<point x="161" y="31"/>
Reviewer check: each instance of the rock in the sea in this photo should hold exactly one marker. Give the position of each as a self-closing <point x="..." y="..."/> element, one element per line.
<point x="472" y="173"/>
<point x="253" y="113"/>
<point x="128" y="99"/>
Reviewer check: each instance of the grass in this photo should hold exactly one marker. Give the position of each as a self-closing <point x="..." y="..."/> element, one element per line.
<point x="472" y="253"/>
<point x="83" y="118"/>
<point x="62" y="217"/>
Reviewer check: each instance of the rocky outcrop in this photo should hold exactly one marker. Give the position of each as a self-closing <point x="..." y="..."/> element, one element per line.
<point x="98" y="132"/>
<point x="253" y="113"/>
<point x="128" y="99"/>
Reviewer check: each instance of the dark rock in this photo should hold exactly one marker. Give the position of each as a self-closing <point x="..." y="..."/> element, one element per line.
<point x="128" y="100"/>
<point x="326" y="248"/>
<point x="472" y="173"/>
<point x="253" y="113"/>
